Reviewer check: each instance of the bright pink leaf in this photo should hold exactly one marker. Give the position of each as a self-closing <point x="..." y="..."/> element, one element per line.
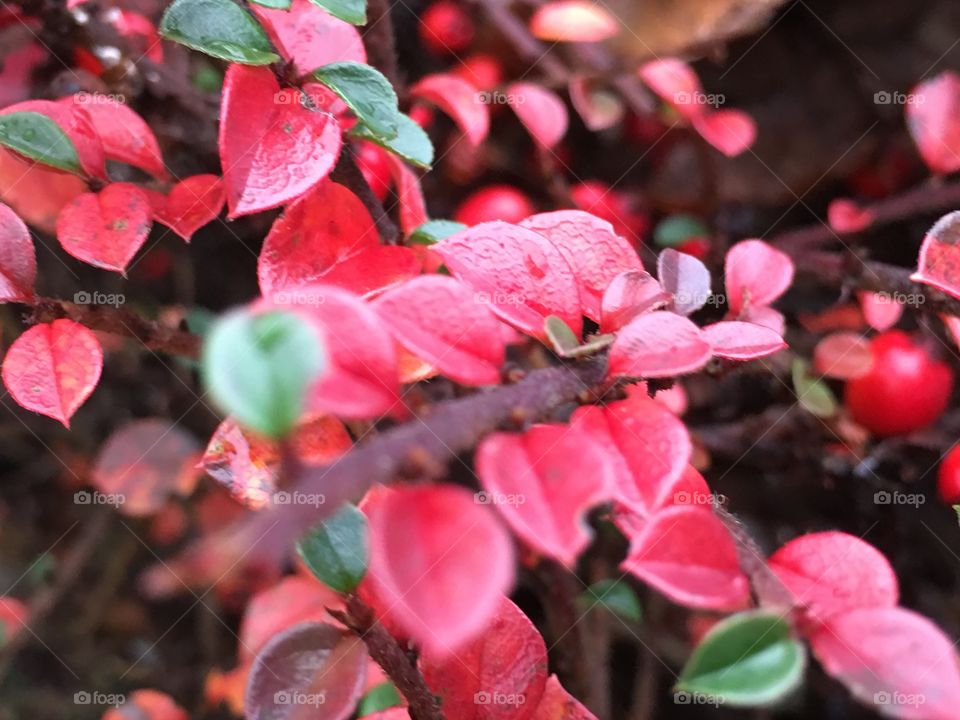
<point x="558" y="704"/>
<point x="441" y="321"/>
<point x="523" y="276"/>
<point x="52" y="368"/>
<point x="658" y="344"/>
<point x="543" y="482"/>
<point x="766" y="316"/>
<point x="833" y="572"/>
<point x="595" y="253"/>
<point x="730" y="131"/>
<point x="687" y="553"/>
<point x="573" y="21"/>
<point x="458" y="99"/>
<point x="439" y="563"/>
<point x="894" y="660"/>
<point x="737" y="340"/>
<point x="18" y="262"/>
<point x="541" y="111"/>
<point x="77" y="125"/>
<point x="756" y="274"/>
<point x="499" y="675"/>
<point x="599" y="109"/>
<point x="939" y="262"/>
<point x="191" y="204"/>
<point x="933" y="119"/>
<point x="272" y="148"/>
<point x="106" y="229"/>
<point x="843" y="355"/>
<point x="413" y="207"/>
<point x="845" y="216"/>
<point x="880" y="310"/>
<point x="685" y="278"/>
<point x="676" y="83"/>
<point x="629" y="294"/>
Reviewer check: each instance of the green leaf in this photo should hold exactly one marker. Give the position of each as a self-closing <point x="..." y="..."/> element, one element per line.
<point x="39" y="138"/>
<point x="366" y="92"/>
<point x="258" y="367"/>
<point x="336" y="549"/>
<point x="561" y="337"/>
<point x="351" y="11"/>
<point x="814" y="395"/>
<point x="411" y="142"/>
<point x="433" y="231"/>
<point x="677" y="229"/>
<point x="379" y="698"/>
<point x="275" y="4"/>
<point x="748" y="659"/>
<point x="956" y="509"/>
<point x="219" y="28"/>
<point x="616" y="596"/>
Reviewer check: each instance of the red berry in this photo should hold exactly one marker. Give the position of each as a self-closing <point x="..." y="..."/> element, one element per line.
<point x="495" y="202"/>
<point x="373" y="163"/>
<point x="948" y="477"/>
<point x="599" y="199"/>
<point x="445" y="27"/>
<point x="698" y="247"/>
<point x="482" y="71"/>
<point x="905" y="390"/>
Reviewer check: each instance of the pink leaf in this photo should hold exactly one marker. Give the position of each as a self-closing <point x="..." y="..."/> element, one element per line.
<point x="558" y="704"/>
<point x="953" y="327"/>
<point x="599" y="110"/>
<point x="18" y="262"/>
<point x="541" y="111"/>
<point x="35" y="192"/>
<point x="458" y="99"/>
<point x="573" y="21"/>
<point x="543" y="482"/>
<point x="106" y="229"/>
<point x="845" y="216"/>
<point x="833" y="572"/>
<point x="756" y="274"/>
<point x="933" y="121"/>
<point x="766" y="316"/>
<point x="15" y="75"/>
<point x="440" y="321"/>
<point x="76" y="125"/>
<point x="939" y="263"/>
<point x="880" y="310"/>
<point x="684" y="277"/>
<point x="595" y="253"/>
<point x="676" y="83"/>
<point x="736" y="340"/>
<point x="272" y="148"/>
<point x="191" y="204"/>
<point x="439" y="564"/>
<point x="629" y="294"/>
<point x="686" y="553"/>
<point x="729" y="131"/>
<point x="518" y="271"/>
<point x="413" y="207"/>
<point x="52" y="368"/>
<point x="894" y="660"/>
<point x="843" y="355"/>
<point x="658" y="344"/>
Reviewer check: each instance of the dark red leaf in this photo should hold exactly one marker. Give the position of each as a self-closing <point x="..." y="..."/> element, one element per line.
<point x="413" y="208"/>
<point x="77" y="125"/>
<point x="18" y="262"/>
<point x="191" y="204"/>
<point x="658" y="344"/>
<point x="557" y="704"/>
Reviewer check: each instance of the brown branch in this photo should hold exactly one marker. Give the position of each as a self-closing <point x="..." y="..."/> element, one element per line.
<point x="380" y="42"/>
<point x="347" y="173"/>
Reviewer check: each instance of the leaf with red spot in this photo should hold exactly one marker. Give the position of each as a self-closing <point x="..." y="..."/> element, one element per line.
<point x="658" y="344"/>
<point x="541" y="111"/>
<point x="273" y="149"/>
<point x="52" y="368"/>
<point x="523" y="276"/>
<point x="595" y="253"/>
<point x="843" y="355"/>
<point x="543" y="482"/>
<point x="499" y="675"/>
<point x="832" y="572"/>
<point x="629" y="294"/>
<point x="735" y="340"/>
<point x="573" y="21"/>
<point x="687" y="554"/>
<point x="892" y="659"/>
<point x="939" y="262"/>
<point x="756" y="274"/>
<point x="557" y="704"/>
<point x="685" y="278"/>
<point x="845" y="216"/>
<point x="441" y="321"/>
<point x="413" y="207"/>
<point x="880" y="310"/>
<point x="598" y="108"/>
<point x="106" y="229"/>
<point x="730" y="131"/>
<point x="76" y="125"/>
<point x="458" y="99"/>
<point x="191" y="204"/>
<point x="447" y="592"/>
<point x="328" y="235"/>
<point x="146" y="704"/>
<point x="310" y="36"/>
<point x="676" y="83"/>
<point x="933" y="121"/>
<point x="18" y="261"/>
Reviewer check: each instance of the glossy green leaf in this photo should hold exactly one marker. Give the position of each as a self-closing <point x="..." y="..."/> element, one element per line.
<point x="433" y="231"/>
<point x="677" y="229"/>
<point x="219" y="28"/>
<point x="411" y="142"/>
<point x="336" y="550"/>
<point x="616" y="596"/>
<point x="381" y="697"/>
<point x="365" y="91"/>
<point x="39" y="138"/>
<point x="813" y="394"/>
<point x="561" y="337"/>
<point x="258" y="368"/>
<point x="748" y="659"/>
<point x="275" y="4"/>
<point x="351" y="11"/>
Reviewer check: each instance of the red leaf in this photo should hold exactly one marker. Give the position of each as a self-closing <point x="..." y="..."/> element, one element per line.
<point x="191" y="204"/>
<point x="684" y="277"/>
<point x="147" y="704"/>
<point x="500" y="675"/>
<point x="106" y="229"/>
<point x="729" y="131"/>
<point x="845" y="216"/>
<point x="676" y="83"/>
<point x="272" y="148"/>
<point x="630" y="294"/>
<point x="573" y="21"/>
<point x="458" y="99"/>
<point x="756" y="274"/>
<point x="833" y="572"/>
<point x="687" y="554"/>
<point x="245" y="463"/>
<point x="595" y="253"/>
<point x="558" y="704"/>
<point x="737" y="340"/>
<point x="413" y="208"/>
<point x="133" y="25"/>
<point x="933" y="122"/>
<point x="328" y="235"/>
<point x="599" y="110"/>
<point x="939" y="262"/>
<point x="310" y="36"/>
<point x="19" y="64"/>
<point x="880" y="310"/>
<point x="76" y="125"/>
<point x="52" y="368"/>
<point x="843" y="355"/>
<point x="894" y="660"/>
<point x="543" y="482"/>
<point x="439" y="564"/>
<point x="441" y="321"/>
<point x="18" y="262"/>
<point x="523" y="276"/>
<point x="658" y="344"/>
<point x="541" y="111"/>
<point x="36" y="193"/>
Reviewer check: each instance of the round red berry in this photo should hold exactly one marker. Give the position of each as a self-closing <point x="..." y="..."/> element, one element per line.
<point x="482" y="71"/>
<point x="496" y="202"/>
<point x="948" y="477"/>
<point x="445" y="27"/>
